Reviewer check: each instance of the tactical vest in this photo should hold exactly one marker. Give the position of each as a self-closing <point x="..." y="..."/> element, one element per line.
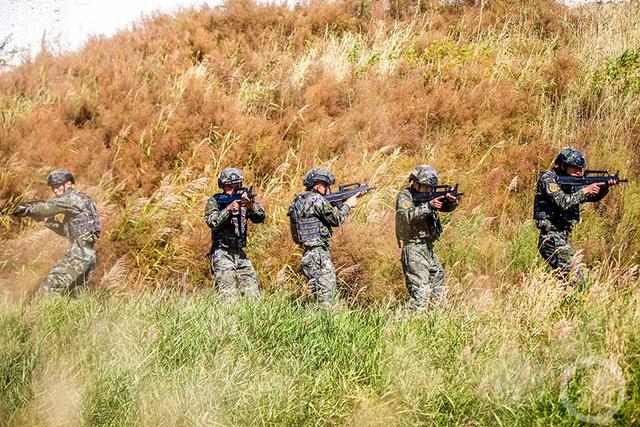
<point x="427" y="231"/>
<point x="304" y="227"/>
<point x="234" y="233"/>
<point x="86" y="221"/>
<point x="545" y="212"/>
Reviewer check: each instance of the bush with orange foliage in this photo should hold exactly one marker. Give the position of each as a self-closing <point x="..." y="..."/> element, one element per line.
<point x="487" y="92"/>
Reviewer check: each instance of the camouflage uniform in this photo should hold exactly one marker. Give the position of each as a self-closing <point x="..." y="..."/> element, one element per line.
<point x="312" y="219"/>
<point x="556" y="210"/>
<point x="233" y="272"/>
<point x="81" y="225"/>
<point x="417" y="229"/>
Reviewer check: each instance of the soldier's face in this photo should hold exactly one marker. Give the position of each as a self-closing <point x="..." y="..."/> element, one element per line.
<point x="228" y="188"/>
<point x="60" y="189"/>
<point x="574" y="171"/>
<point x="421" y="188"/>
<point x="322" y="188"/>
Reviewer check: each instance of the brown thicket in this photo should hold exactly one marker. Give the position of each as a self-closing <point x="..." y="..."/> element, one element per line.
<point x="487" y="92"/>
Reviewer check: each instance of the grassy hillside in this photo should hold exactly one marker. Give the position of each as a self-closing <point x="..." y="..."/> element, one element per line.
<point x="486" y="93"/>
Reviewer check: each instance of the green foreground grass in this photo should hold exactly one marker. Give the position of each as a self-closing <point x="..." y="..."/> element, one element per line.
<point x="172" y="358"/>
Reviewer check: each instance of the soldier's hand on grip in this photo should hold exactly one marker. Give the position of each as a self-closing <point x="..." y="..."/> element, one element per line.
<point x="234" y="206"/>
<point x="437" y="203"/>
<point x="593" y="189"/>
<point x="247" y="200"/>
<point x="352" y="201"/>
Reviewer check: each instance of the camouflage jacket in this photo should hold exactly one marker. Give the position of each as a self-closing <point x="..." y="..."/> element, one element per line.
<point x="229" y="229"/>
<point x="418" y="223"/>
<point x="80" y="220"/>
<point x="310" y="205"/>
<point x="557" y="208"/>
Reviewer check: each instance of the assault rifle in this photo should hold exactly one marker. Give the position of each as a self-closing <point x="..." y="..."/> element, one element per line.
<point x="437" y="191"/>
<point x="225" y="200"/>
<point x="345" y="191"/>
<point x="590" y="177"/>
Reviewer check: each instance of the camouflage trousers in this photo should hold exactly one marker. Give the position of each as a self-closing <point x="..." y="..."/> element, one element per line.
<point x="71" y="271"/>
<point x="318" y="268"/>
<point x="234" y="274"/>
<point x="556" y="250"/>
<point x="423" y="275"/>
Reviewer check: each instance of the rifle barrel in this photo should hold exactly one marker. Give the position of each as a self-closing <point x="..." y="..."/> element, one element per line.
<point x="348" y="190"/>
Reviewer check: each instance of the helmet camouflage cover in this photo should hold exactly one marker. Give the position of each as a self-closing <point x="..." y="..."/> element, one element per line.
<point x="230" y="176"/>
<point x="425" y="175"/>
<point x="58" y="177"/>
<point x="318" y="175"/>
<point x="571" y="157"/>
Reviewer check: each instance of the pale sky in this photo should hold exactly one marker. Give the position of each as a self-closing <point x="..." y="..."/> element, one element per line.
<point x="66" y="24"/>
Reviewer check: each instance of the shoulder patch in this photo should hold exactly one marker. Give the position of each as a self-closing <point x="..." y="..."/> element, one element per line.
<point x="553" y="187"/>
<point x="405" y="204"/>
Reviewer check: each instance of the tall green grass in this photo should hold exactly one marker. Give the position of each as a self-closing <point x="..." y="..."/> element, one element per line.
<point x="174" y="358"/>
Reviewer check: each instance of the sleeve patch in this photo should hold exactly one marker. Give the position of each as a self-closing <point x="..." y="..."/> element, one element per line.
<point x="405" y="204"/>
<point x="553" y="187"/>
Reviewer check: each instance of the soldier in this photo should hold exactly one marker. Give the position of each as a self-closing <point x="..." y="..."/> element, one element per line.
<point x="233" y="272"/>
<point x="557" y="209"/>
<point x="417" y="228"/>
<point x="80" y="224"/>
<point x="312" y="218"/>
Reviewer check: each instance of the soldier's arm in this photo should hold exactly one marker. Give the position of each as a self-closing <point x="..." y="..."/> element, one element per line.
<point x="330" y="215"/>
<point x="412" y="214"/>
<point x="257" y="215"/>
<point x="65" y="204"/>
<point x="214" y="216"/>
<point x="560" y="198"/>
<point x="56" y="226"/>
<point x="604" y="190"/>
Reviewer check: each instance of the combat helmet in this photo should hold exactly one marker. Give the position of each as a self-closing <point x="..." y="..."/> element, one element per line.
<point x="571" y="157"/>
<point x="318" y="175"/>
<point x="230" y="176"/>
<point x="424" y="175"/>
<point x="58" y="177"/>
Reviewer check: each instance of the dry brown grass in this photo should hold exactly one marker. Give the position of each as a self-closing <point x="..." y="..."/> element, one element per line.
<point x="486" y="93"/>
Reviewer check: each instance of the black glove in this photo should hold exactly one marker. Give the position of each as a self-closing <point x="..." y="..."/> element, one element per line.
<point x="20" y="211"/>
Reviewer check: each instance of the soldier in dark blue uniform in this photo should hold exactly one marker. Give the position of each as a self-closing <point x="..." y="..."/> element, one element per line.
<point x="556" y="210"/>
